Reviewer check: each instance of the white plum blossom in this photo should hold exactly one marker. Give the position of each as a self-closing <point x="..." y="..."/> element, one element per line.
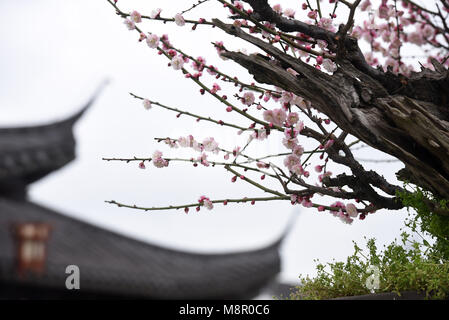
<point x="329" y="65"/>
<point x="179" y="20"/>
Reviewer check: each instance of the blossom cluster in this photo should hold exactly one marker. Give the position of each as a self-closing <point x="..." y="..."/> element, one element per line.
<point x="274" y="110"/>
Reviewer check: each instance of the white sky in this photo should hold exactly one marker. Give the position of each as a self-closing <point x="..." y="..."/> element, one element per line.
<point x="55" y="53"/>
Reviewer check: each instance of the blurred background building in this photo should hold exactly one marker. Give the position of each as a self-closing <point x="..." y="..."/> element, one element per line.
<point x="37" y="244"/>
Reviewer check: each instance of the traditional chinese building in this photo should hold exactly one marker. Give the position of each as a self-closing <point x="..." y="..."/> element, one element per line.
<point x="37" y="244"/>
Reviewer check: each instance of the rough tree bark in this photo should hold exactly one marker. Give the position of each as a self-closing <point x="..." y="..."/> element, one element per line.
<point x="406" y="117"/>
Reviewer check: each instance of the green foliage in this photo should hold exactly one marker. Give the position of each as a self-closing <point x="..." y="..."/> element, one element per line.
<point x="405" y="266"/>
<point x="401" y="268"/>
<point x="427" y="221"/>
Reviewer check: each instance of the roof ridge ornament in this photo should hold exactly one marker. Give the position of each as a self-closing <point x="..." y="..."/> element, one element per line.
<point x="27" y="154"/>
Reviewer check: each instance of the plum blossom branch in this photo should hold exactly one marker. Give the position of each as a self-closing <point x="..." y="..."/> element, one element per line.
<point x="250" y="181"/>
<point x="182" y="112"/>
<point x="224" y="201"/>
<point x="200" y="2"/>
<point x="351" y="89"/>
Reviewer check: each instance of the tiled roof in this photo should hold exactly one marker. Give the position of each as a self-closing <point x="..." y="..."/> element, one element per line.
<point x="114" y="264"/>
<point x="29" y="153"/>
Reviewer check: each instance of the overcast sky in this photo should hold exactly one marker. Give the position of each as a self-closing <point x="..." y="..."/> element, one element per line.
<point x="54" y="55"/>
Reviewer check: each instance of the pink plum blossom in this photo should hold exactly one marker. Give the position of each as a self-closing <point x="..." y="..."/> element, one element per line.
<point x="203" y="159"/>
<point x="129" y="24"/>
<point x="312" y="14"/>
<point x="205" y="201"/>
<point x="329" y="65"/>
<point x="289" y="12"/>
<point x="158" y="161"/>
<point x="177" y="63"/>
<point x="290" y="143"/>
<point x="291" y="160"/>
<point x="215" y="88"/>
<point x="210" y="144"/>
<point x="298" y="150"/>
<point x="153" y="41"/>
<point x="179" y="20"/>
<point x="248" y="98"/>
<point x="365" y="5"/>
<point x="146" y="104"/>
<point x="279" y="117"/>
<point x="135" y="16"/>
<point x="292" y="118"/>
<point x="291" y="133"/>
<point x="351" y="210"/>
<point x="277" y="8"/>
<point x="155" y="13"/>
